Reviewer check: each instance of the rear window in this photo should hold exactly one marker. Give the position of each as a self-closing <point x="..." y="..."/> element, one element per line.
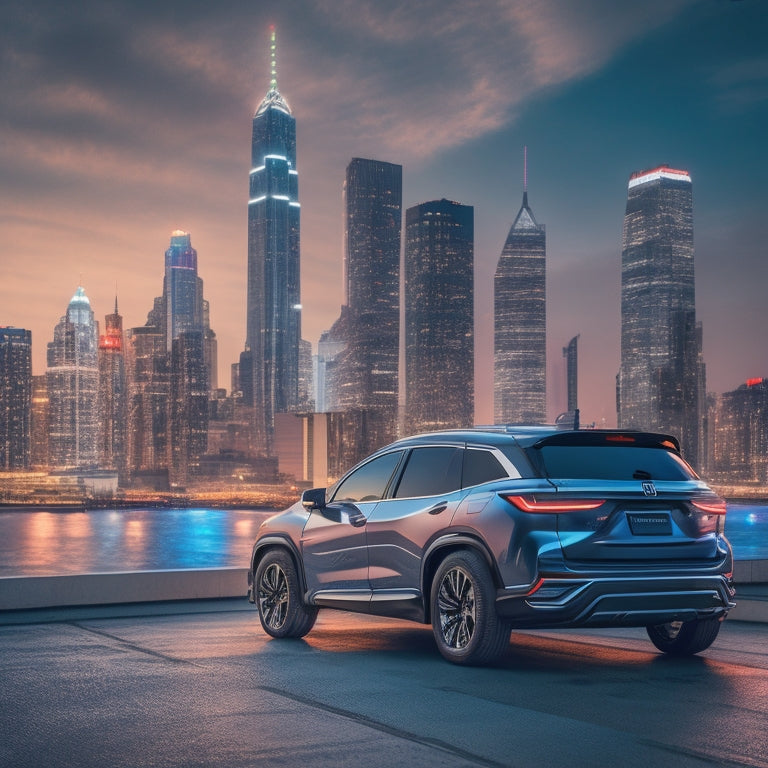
<point x="612" y="462"/>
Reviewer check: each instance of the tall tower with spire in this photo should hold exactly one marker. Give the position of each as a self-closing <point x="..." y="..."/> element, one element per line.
<point x="269" y="366"/>
<point x="73" y="387"/>
<point x="520" y="321"/>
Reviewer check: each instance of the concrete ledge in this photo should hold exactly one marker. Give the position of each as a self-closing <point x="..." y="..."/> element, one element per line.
<point x="172" y="588"/>
<point x="26" y="592"/>
<point x="750" y="571"/>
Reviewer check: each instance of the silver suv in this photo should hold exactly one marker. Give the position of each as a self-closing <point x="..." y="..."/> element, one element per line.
<point x="485" y="530"/>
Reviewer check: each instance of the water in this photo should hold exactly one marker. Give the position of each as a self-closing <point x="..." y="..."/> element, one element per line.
<point x="102" y="540"/>
<point x="37" y="542"/>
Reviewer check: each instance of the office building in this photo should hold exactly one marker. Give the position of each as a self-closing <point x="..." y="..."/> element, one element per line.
<point x="520" y="323"/>
<point x="571" y="356"/>
<point x="182" y="288"/>
<point x="73" y="387"/>
<point x="113" y="396"/>
<point x="40" y="425"/>
<point x="269" y="366"/>
<point x="15" y="398"/>
<point x="359" y="356"/>
<point x="439" y="319"/>
<point x="661" y="382"/>
<point x="740" y="434"/>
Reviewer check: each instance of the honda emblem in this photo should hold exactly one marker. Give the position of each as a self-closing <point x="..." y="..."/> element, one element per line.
<point x="649" y="489"/>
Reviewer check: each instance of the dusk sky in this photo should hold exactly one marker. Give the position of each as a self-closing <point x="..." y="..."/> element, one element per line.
<point x="123" y="121"/>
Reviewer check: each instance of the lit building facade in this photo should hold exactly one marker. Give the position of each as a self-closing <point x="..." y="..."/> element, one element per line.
<point x="188" y="406"/>
<point x="571" y="355"/>
<point x="73" y="387"/>
<point x="148" y="374"/>
<point x="15" y="398"/>
<point x="739" y="434"/>
<point x="269" y="366"/>
<point x="182" y="288"/>
<point x="360" y="353"/>
<point x="40" y="422"/>
<point x="661" y="382"/>
<point x="439" y="316"/>
<point x="113" y="396"/>
<point x="520" y="324"/>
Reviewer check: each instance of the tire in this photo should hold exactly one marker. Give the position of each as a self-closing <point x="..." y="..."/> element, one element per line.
<point x="278" y="597"/>
<point x="466" y="627"/>
<point x="684" y="638"/>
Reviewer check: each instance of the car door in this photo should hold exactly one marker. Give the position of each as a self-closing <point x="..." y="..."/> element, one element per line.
<point x="422" y="503"/>
<point x="334" y="537"/>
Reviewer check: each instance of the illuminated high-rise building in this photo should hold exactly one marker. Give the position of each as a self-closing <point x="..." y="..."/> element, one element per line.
<point x="15" y="397"/>
<point x="571" y="355"/>
<point x="148" y="374"/>
<point x="40" y="422"/>
<point x="73" y="387"/>
<point x="269" y="366"/>
<point x="439" y="316"/>
<point x="182" y="288"/>
<point x="520" y="323"/>
<point x="112" y="396"/>
<point x="661" y="382"/>
<point x="363" y="371"/>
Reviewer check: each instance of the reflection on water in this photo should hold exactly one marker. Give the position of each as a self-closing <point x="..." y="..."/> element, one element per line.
<point x="101" y="540"/>
<point x="746" y="526"/>
<point x="45" y="543"/>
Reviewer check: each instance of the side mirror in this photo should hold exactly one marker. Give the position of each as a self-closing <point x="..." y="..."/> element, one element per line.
<point x="314" y="498"/>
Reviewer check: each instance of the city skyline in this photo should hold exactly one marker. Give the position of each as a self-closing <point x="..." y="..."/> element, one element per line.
<point x="111" y="145"/>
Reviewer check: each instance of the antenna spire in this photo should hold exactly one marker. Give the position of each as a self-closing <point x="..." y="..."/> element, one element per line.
<point x="525" y="169"/>
<point x="525" y="176"/>
<point x="273" y="58"/>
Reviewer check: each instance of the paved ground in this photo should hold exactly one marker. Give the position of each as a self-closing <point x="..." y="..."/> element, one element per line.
<point x="210" y="689"/>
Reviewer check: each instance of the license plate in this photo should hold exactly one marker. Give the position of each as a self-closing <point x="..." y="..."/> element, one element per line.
<point x="650" y="523"/>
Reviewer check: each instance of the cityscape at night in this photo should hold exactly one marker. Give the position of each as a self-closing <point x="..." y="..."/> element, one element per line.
<point x="196" y="383"/>
<point x="383" y="383"/>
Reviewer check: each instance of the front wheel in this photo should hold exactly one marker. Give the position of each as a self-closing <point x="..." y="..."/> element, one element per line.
<point x="278" y="596"/>
<point x="465" y="624"/>
<point x="684" y="638"/>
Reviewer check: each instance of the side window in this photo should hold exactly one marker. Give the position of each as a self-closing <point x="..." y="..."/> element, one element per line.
<point x="481" y="467"/>
<point x="369" y="482"/>
<point x="431" y="471"/>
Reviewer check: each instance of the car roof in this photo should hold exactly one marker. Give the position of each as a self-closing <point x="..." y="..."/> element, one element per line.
<point x="524" y="436"/>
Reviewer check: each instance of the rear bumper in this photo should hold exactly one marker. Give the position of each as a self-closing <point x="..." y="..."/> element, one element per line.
<point x="628" y="601"/>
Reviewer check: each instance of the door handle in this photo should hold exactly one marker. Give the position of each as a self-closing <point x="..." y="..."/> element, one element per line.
<point x="438" y="508"/>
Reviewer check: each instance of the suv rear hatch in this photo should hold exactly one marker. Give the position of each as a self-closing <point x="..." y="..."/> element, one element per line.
<point x="635" y="499"/>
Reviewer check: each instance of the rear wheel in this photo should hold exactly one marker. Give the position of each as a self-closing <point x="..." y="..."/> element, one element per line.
<point x="278" y="597"/>
<point x="684" y="638"/>
<point x="465" y="624"/>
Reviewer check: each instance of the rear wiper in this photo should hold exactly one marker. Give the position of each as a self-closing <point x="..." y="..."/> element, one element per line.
<point x="641" y="474"/>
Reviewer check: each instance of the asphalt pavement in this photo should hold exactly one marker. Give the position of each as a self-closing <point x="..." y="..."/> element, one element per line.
<point x="206" y="687"/>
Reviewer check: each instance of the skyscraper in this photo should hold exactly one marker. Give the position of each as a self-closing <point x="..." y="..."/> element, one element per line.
<point x="365" y="369"/>
<point x="520" y="322"/>
<point x="269" y="366"/>
<point x="73" y="387"/>
<point x="15" y="397"/>
<point x="112" y="396"/>
<point x="661" y="382"/>
<point x="439" y="316"/>
<point x="182" y="288"/>
<point x="571" y="355"/>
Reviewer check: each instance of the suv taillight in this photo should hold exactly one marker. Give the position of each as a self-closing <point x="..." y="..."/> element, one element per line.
<point x="552" y="505"/>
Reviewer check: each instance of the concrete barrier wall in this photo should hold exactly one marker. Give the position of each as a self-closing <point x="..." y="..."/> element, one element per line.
<point x="30" y="592"/>
<point x="26" y="592"/>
